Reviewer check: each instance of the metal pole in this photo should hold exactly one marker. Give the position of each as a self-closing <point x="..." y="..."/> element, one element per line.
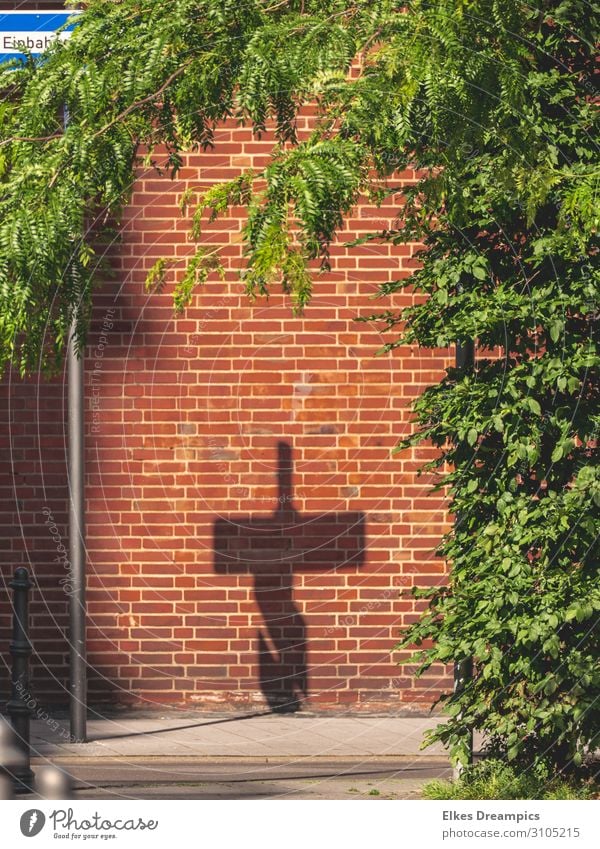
<point x="17" y="706"/>
<point x="77" y="553"/>
<point x="465" y="355"/>
<point x="463" y="669"/>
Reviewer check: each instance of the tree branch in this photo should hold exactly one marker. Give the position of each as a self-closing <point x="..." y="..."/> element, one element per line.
<point x="144" y="100"/>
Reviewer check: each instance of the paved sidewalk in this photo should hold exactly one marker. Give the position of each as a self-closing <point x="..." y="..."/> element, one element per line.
<point x="227" y="736"/>
<point x="261" y="756"/>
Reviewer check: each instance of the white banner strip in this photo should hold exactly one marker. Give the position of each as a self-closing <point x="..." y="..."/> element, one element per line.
<point x="296" y="824"/>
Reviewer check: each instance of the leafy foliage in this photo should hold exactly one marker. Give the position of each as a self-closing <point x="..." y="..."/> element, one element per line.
<point x="493" y="101"/>
<point x="138" y="84"/>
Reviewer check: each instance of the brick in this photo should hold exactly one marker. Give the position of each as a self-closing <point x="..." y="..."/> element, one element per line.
<point x="190" y="413"/>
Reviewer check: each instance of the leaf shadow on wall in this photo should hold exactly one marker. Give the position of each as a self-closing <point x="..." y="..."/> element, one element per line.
<point x="272" y="549"/>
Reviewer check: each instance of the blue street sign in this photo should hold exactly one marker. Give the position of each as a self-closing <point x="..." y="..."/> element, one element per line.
<point x="34" y="31"/>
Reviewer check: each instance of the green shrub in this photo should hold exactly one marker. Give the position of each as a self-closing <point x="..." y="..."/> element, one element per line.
<point x="495" y="779"/>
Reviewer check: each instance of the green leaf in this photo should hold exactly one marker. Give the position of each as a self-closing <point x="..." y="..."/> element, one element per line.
<point x="556" y="328"/>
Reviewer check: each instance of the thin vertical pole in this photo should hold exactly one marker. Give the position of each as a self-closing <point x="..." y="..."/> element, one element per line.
<point x="77" y="553"/>
<point x="463" y="669"/>
<point x="77" y="547"/>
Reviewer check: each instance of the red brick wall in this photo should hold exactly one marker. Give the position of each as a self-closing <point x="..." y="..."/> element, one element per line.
<point x="250" y="534"/>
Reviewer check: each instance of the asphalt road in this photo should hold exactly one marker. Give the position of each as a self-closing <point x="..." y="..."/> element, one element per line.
<point x="251" y="778"/>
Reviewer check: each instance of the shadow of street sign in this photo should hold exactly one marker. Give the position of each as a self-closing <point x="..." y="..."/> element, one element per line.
<point x="272" y="549"/>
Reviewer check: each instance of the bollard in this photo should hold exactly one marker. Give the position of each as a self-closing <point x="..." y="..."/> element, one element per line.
<point x="11" y="759"/>
<point x="53" y="783"/>
<point x="6" y="788"/>
<point x="20" y="650"/>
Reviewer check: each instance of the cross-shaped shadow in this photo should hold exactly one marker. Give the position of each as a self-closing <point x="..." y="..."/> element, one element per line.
<point x="272" y="549"/>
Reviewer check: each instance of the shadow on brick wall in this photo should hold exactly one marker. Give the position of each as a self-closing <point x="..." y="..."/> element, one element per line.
<point x="272" y="549"/>
<point x="33" y="527"/>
